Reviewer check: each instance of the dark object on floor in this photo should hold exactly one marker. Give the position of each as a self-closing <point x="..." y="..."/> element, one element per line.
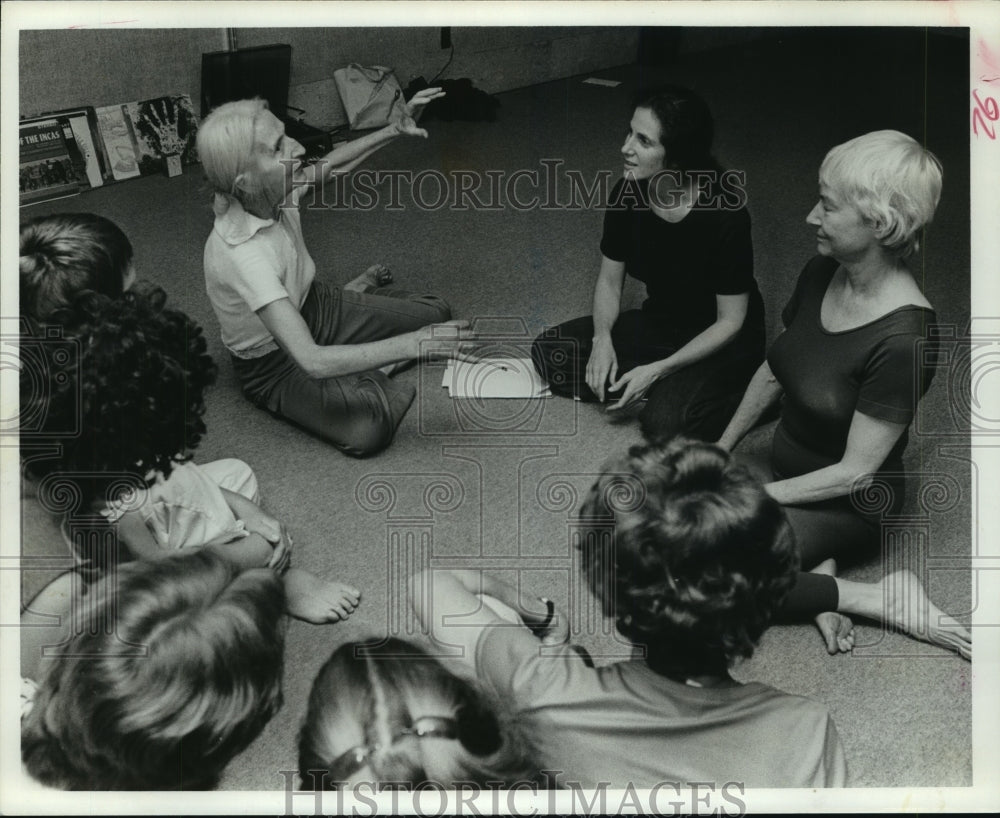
<point x="462" y="101"/>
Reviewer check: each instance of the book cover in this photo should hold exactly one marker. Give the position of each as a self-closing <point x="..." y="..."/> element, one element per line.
<point x="83" y="121"/>
<point x="163" y="126"/>
<point x="119" y="141"/>
<point x="49" y="167"/>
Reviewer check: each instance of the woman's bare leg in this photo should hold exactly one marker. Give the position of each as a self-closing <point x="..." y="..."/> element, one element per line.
<point x="900" y="601"/>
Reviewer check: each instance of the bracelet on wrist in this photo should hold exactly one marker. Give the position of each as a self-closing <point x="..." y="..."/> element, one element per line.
<point x="550" y="614"/>
<point x="539" y="629"/>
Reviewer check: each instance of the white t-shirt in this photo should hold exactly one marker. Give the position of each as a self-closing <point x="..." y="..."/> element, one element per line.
<point x="185" y="510"/>
<point x="250" y="263"/>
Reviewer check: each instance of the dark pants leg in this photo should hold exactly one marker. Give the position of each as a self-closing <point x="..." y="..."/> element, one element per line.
<point x="822" y="533"/>
<point x="699" y="400"/>
<point x="358" y="413"/>
<point x="350" y="317"/>
<point x="822" y="530"/>
<point x="561" y="353"/>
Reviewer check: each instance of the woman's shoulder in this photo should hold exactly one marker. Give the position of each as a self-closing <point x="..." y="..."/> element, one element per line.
<point x="905" y="324"/>
<point x="904" y="311"/>
<point x="817" y="273"/>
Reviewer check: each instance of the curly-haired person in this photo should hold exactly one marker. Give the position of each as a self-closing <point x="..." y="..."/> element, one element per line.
<point x="691" y="558"/>
<point x="115" y="410"/>
<point x="155" y="679"/>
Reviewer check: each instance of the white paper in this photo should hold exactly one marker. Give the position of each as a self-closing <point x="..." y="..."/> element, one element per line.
<point x="494" y="378"/>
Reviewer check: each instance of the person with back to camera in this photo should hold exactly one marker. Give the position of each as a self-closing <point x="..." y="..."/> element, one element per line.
<point x="308" y="352"/>
<point x="849" y="379"/>
<point x="155" y="680"/>
<point x="134" y="392"/>
<point x="63" y="254"/>
<point x="679" y="224"/>
<point x="692" y="558"/>
<point x="391" y="714"/>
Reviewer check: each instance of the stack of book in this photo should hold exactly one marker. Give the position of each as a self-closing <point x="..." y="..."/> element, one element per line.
<point x="64" y="152"/>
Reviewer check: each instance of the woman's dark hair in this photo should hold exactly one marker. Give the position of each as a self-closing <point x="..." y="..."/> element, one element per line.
<point x="688" y="552"/>
<point x="174" y="668"/>
<point x="398" y="712"/>
<point x="66" y="253"/>
<point x="686" y="126"/>
<point x="119" y="388"/>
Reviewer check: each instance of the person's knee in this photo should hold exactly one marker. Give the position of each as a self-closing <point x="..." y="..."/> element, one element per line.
<point x="554" y="357"/>
<point x="238" y="477"/>
<point x="664" y="416"/>
<point x="552" y="367"/>
<point x="538" y="356"/>
<point x="705" y="425"/>
<point x="378" y="406"/>
<point x="367" y="437"/>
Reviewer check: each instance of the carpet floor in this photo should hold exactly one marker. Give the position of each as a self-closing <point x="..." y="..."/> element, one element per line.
<point x="495" y="483"/>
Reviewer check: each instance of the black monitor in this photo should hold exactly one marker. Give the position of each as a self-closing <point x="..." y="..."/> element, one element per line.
<point x="260" y="71"/>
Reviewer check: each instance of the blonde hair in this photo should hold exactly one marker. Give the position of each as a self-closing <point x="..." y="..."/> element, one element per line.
<point x="893" y="181"/>
<point x="367" y="705"/>
<point x="226" y="143"/>
<point x="176" y="669"/>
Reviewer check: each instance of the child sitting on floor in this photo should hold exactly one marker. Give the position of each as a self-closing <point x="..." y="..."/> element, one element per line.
<point x="392" y="715"/>
<point x="155" y="680"/>
<point x="133" y="385"/>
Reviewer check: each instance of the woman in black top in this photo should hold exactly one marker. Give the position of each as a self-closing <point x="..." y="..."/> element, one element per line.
<point x="846" y="368"/>
<point x="679" y="224"/>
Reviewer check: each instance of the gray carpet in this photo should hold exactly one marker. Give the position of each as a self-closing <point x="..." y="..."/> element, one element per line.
<point x="448" y="493"/>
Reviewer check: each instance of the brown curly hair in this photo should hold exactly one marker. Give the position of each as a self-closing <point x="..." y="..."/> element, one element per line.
<point x="118" y="386"/>
<point x="686" y="550"/>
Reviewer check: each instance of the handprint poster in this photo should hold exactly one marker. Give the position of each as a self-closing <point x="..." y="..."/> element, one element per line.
<point x="164" y="126"/>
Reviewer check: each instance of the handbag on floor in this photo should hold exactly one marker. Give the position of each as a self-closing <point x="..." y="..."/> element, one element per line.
<point x="369" y="94"/>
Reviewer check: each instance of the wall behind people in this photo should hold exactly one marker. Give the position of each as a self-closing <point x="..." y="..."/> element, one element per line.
<point x="63" y="68"/>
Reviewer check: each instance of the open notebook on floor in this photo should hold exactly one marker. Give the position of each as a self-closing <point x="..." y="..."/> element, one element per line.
<point x="494" y="378"/>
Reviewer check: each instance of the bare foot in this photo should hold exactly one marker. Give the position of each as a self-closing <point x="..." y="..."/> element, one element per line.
<point x="837" y="629"/>
<point x="378" y="275"/>
<point x="908" y="608"/>
<point x="315" y="600"/>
